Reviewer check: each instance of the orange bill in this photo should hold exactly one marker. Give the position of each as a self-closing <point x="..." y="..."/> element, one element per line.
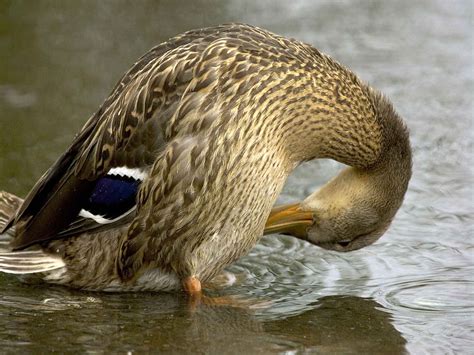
<point x="289" y="219"/>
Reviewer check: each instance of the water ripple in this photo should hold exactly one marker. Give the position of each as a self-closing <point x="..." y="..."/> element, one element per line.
<point x="431" y="295"/>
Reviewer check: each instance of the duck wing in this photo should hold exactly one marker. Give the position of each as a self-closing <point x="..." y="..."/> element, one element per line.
<point x="95" y="182"/>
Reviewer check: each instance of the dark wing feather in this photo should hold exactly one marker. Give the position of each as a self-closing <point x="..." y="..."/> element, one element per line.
<point x="129" y="129"/>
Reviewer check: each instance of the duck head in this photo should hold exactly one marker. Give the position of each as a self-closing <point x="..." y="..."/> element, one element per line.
<point x="350" y="212"/>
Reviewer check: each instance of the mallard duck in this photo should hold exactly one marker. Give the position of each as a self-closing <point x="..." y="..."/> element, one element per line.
<point x="174" y="177"/>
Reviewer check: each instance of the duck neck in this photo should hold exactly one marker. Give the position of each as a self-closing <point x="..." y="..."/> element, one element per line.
<point x="335" y="116"/>
<point x="357" y="127"/>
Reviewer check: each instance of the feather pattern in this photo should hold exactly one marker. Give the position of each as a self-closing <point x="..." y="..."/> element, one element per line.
<point x="119" y="134"/>
<point x="31" y="262"/>
<point x="175" y="174"/>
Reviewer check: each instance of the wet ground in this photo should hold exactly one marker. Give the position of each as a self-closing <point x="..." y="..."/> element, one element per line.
<point x="411" y="291"/>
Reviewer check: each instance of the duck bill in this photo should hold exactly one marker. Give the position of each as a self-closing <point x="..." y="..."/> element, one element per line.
<point x="289" y="219"/>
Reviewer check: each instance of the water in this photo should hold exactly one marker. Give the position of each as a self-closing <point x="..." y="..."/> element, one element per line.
<point x="412" y="291"/>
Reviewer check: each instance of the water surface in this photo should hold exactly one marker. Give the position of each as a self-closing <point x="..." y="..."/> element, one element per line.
<point x="411" y="291"/>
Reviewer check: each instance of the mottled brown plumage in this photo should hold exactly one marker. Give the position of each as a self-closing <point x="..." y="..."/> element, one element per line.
<point x="217" y="118"/>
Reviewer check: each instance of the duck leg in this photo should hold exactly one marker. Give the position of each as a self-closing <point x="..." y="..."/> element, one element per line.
<point x="192" y="285"/>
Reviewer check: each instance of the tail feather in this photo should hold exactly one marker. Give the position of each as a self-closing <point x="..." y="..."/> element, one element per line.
<point x="5" y="242"/>
<point x="26" y="261"/>
<point x="29" y="263"/>
<point x="9" y="204"/>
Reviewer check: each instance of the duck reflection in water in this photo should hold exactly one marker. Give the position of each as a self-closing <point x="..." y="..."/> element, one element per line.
<point x="332" y="324"/>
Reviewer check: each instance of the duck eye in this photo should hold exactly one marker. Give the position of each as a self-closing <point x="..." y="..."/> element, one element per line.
<point x="344" y="243"/>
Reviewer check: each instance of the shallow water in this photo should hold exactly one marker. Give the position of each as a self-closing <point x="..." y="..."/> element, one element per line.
<point x="411" y="291"/>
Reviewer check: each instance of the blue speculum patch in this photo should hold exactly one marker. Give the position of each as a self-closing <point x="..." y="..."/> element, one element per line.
<point x="112" y="196"/>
